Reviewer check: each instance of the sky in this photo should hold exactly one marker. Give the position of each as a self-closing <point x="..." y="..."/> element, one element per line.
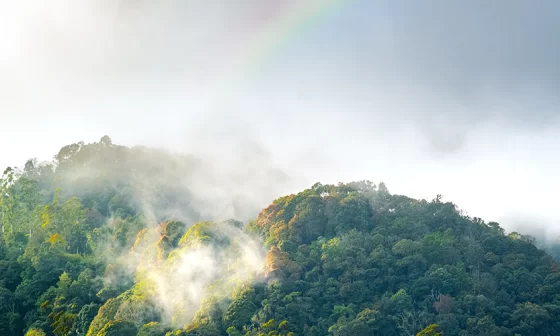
<point x="458" y="98"/>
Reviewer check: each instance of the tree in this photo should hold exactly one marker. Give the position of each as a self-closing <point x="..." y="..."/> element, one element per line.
<point x="153" y="329"/>
<point x="431" y="330"/>
<point x="106" y="141"/>
<point x="118" y="328"/>
<point x="35" y="332"/>
<point x="81" y="254"/>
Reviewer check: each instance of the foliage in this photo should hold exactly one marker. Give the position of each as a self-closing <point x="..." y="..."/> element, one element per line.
<point x="431" y="330"/>
<point x="80" y="245"/>
<point x="118" y="328"/>
<point x="35" y="332"/>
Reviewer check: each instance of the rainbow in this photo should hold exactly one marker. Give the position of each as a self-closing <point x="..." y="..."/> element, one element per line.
<point x="283" y="21"/>
<point x="287" y="24"/>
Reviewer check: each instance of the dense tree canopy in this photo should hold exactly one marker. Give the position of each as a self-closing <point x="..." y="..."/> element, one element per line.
<point x="105" y="241"/>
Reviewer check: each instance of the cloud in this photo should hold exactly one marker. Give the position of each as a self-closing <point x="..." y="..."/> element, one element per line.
<point x="196" y="271"/>
<point x="367" y="90"/>
<point x="444" y="66"/>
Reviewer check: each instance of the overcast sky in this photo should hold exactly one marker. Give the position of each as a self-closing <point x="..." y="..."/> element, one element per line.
<point x="459" y="98"/>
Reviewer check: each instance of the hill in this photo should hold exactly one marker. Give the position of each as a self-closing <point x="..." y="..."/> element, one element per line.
<point x="111" y="240"/>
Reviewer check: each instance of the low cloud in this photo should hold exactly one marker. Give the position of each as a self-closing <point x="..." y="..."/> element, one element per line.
<point x="426" y="96"/>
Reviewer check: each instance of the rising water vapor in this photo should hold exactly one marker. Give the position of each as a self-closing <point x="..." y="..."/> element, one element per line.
<point x="200" y="272"/>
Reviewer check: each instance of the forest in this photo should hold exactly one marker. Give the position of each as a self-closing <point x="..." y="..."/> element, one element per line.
<point x="114" y="240"/>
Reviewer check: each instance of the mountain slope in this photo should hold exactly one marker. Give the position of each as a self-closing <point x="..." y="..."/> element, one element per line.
<point x="110" y="240"/>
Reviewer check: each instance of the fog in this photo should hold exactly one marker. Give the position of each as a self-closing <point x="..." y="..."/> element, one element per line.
<point x="437" y="97"/>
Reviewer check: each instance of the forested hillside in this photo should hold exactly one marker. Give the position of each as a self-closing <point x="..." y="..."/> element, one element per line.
<point x="110" y="240"/>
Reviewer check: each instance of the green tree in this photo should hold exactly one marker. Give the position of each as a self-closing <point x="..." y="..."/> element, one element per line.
<point x="431" y="330"/>
<point x="118" y="328"/>
<point x="35" y="332"/>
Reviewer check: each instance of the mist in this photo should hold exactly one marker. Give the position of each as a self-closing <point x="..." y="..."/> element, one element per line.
<point x="443" y="97"/>
<point x="197" y="270"/>
<point x="225" y="106"/>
